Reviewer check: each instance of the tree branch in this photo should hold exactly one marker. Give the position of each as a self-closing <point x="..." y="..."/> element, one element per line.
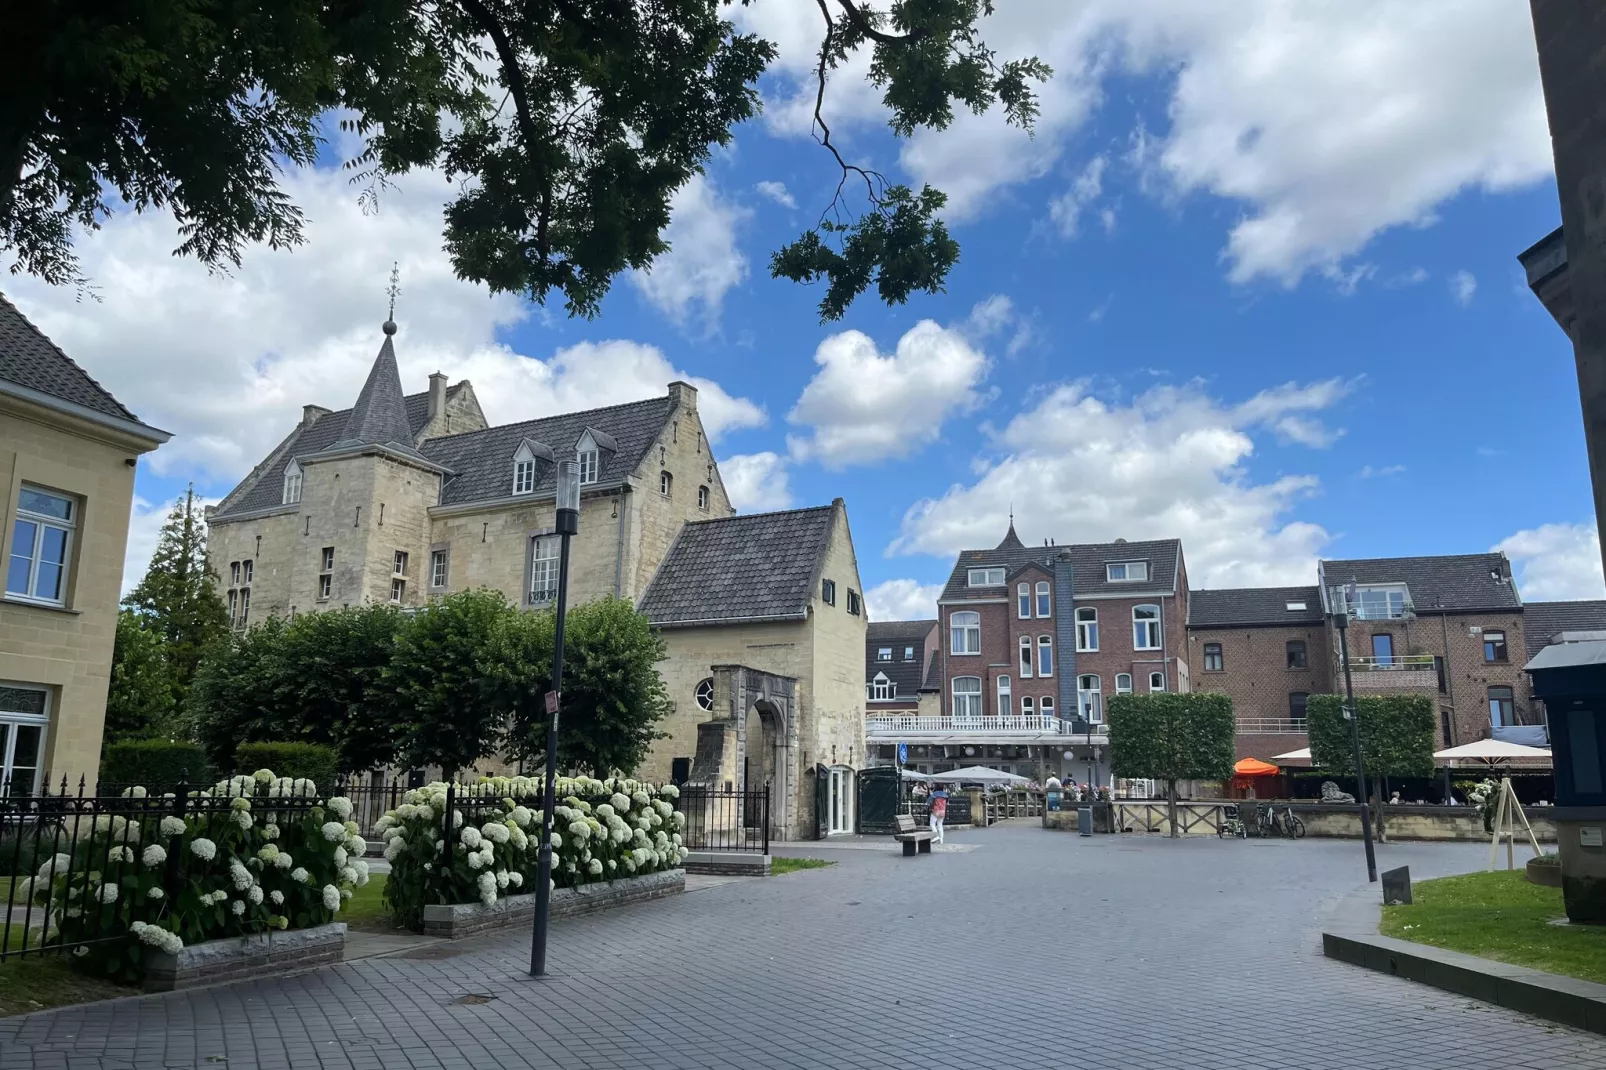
<point x="861" y="22"/>
<point x="870" y="177"/>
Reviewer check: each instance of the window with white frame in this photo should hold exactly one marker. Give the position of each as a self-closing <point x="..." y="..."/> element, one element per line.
<point x="1025" y="656"/>
<point x="1090" y="697"/>
<point x="702" y="498"/>
<point x="1044" y="602"/>
<point x="1023" y="599"/>
<point x="292" y="484"/>
<point x="1213" y="661"/>
<point x="1048" y="705"/>
<point x="1145" y="627"/>
<point x="326" y="568"/>
<point x="399" y="563"/>
<point x="1045" y="655"/>
<point x="588" y="466"/>
<point x="967" y="696"/>
<point x="828" y="592"/>
<point x="986" y="577"/>
<point x="1126" y="571"/>
<point x="326" y="585"/>
<point x="247" y="570"/>
<point x="884" y="654"/>
<point x="438" y="561"/>
<point x="524" y="476"/>
<point x="964" y="633"/>
<point x="666" y="483"/>
<point x="24" y="719"/>
<point x="328" y="559"/>
<point x="234" y="605"/>
<point x="908" y="653"/>
<point x="1123" y="683"/>
<point x="1157" y="681"/>
<point x="854" y="605"/>
<point x="1087" y="629"/>
<point x="882" y="689"/>
<point x="1386" y="602"/>
<point x="543" y="569"/>
<point x="1028" y="706"/>
<point x="398" y="590"/>
<point x="1005" y="705"/>
<point x="41" y="546"/>
<point x="245" y="606"/>
<point x="234" y="573"/>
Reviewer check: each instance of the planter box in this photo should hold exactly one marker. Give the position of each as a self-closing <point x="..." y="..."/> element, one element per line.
<point x="454" y="921"/>
<point x="728" y="863"/>
<point x="242" y="957"/>
<point x="1545" y="871"/>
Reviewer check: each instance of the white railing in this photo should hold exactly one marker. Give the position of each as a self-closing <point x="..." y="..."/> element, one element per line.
<point x="900" y="724"/>
<point x="1393" y="663"/>
<point x="1270" y="726"/>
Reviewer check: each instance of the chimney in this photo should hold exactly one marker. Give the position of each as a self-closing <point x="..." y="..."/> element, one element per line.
<point x="310" y="414"/>
<point x="437" y="395"/>
<point x="684" y="395"/>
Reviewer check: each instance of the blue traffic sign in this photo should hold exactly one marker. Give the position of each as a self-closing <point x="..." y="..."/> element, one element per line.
<point x="903" y="754"/>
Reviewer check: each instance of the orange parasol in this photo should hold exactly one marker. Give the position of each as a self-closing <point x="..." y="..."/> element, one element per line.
<point x="1255" y="767"/>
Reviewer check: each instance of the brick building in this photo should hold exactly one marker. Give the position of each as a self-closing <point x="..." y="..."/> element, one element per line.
<point x="896" y="657"/>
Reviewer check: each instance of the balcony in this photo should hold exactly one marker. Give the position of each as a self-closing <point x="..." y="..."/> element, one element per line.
<point x="1270" y="726"/>
<point x="901" y="727"/>
<point x="1389" y="675"/>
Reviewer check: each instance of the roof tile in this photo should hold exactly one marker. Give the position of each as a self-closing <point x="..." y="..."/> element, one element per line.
<point x="1254" y="606"/>
<point x="28" y="358"/>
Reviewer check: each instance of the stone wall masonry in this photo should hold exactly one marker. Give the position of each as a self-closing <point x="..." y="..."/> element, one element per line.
<point x="832" y="733"/>
<point x="239" y="958"/>
<point x="683" y="451"/>
<point x="459" y="920"/>
<point x="490" y="547"/>
<point x="1457" y="823"/>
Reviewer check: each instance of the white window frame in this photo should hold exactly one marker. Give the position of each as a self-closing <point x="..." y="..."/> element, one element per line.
<point x="986" y="577"/>
<point x="1220" y="656"/>
<point x="234" y="605"/>
<point x="970" y="712"/>
<point x="1045" y="656"/>
<point x="590" y="464"/>
<point x="883" y="653"/>
<point x="398" y="590"/>
<point x="908" y="653"/>
<point x="524" y="475"/>
<point x="1127" y="572"/>
<point x="41" y="523"/>
<point x="1023" y="601"/>
<point x="245" y="606"/>
<point x="15" y="719"/>
<point x="543" y="568"/>
<point x="666" y="484"/>
<point x="1045" y="600"/>
<point x="828" y="592"/>
<point x="964" y="632"/>
<point x="702" y="497"/>
<point x="1087" y="630"/>
<point x="1154" y="676"/>
<point x="327" y="559"/>
<point x="439" y="567"/>
<point x="1006" y="704"/>
<point x="1146" y="632"/>
<point x="1120" y="688"/>
<point x="292" y="484"/>
<point x="234" y="573"/>
<point x="882" y="689"/>
<point x="1028" y="657"/>
<point x="247" y="571"/>
<point x="1028" y="706"/>
<point x="326" y="585"/>
<point x="1090" y="700"/>
<point x="1392" y="596"/>
<point x="1046" y="705"/>
<point x="399" y="563"/>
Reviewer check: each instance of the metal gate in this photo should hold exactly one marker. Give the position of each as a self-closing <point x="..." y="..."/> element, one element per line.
<point x="822" y="802"/>
<point x="879" y="791"/>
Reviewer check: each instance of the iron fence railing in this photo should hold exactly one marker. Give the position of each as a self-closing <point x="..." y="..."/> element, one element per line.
<point x="719" y="820"/>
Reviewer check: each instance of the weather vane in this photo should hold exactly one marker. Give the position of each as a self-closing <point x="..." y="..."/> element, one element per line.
<point x="393" y="289"/>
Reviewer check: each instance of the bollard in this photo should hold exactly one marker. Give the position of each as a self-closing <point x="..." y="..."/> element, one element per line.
<point x="1397" y="886"/>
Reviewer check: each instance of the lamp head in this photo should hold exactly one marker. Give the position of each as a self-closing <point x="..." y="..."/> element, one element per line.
<point x="568" y="497"/>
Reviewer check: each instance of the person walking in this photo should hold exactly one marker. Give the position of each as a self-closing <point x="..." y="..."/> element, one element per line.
<point x="939" y="809"/>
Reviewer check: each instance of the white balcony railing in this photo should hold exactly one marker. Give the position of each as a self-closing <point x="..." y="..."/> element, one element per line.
<point x="898" y="724"/>
<point x="1270" y="726"/>
<point x="1393" y="663"/>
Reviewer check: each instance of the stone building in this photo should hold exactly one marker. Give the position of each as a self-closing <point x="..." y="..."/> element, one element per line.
<point x="68" y="451"/>
<point x="764" y="619"/>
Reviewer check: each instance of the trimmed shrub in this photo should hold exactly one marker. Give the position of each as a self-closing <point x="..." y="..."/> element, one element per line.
<point x="300" y="761"/>
<point x="155" y="763"/>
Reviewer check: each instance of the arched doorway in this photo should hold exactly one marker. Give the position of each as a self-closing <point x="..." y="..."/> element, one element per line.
<point x="763" y="759"/>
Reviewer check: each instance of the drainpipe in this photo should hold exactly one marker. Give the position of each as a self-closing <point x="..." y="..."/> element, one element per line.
<point x="623" y="505"/>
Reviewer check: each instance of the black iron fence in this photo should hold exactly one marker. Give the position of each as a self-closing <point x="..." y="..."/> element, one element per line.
<point x="718" y="820"/>
<point x="62" y="849"/>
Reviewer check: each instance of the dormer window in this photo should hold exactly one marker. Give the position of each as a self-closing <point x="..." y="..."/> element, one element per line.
<point x="882" y="689"/>
<point x="292" y="484"/>
<point x="1383" y="602"/>
<point x="592" y="452"/>
<point x="526" y="465"/>
<point x="986" y="577"/>
<point x="523" y="477"/>
<point x="1126" y="571"/>
<point x="588" y="466"/>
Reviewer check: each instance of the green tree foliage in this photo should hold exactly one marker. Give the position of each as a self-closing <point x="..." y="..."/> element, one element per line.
<point x="456" y="709"/>
<point x="310" y="761"/>
<point x="1171" y="737"/>
<point x="178" y="599"/>
<point x="155" y="763"/>
<point x="139" y="702"/>
<point x="242" y="692"/>
<point x="568" y="126"/>
<point x="1396" y="734"/>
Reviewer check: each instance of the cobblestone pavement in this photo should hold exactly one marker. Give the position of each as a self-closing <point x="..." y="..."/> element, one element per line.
<point x="1037" y="949"/>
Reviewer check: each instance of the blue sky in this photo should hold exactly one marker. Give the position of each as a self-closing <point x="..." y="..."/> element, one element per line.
<point x="1253" y="285"/>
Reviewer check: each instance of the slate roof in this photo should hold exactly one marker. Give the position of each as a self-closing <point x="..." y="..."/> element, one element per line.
<point x="898" y="634"/>
<point x="1087" y="564"/>
<point x="761" y="565"/>
<point x="30" y="359"/>
<point x="1254" y="606"/>
<point x="1455" y="583"/>
<point x="380" y="416"/>
<point x="1541" y="621"/>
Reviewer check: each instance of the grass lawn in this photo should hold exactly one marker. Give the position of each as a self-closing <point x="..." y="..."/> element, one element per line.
<point x="1500" y="916"/>
<point x="365" y="910"/>
<point x="35" y="983"/>
<point x="792" y="865"/>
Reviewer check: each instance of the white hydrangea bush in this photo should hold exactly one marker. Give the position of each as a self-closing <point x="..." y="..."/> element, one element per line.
<point x="602" y="830"/>
<point x="251" y="854"/>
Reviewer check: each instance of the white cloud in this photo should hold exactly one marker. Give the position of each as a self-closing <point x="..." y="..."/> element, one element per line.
<point x="1167" y="465"/>
<point x="226" y="362"/>
<point x="704" y="262"/>
<point x="1286" y="408"/>
<point x="1066" y="209"/>
<point x="1368" y="472"/>
<point x="777" y="192"/>
<point x="864" y="406"/>
<point x="1462" y="286"/>
<point x="145" y="520"/>
<point x="902" y="599"/>
<point x="1556" y="562"/>
<point x="757" y="482"/>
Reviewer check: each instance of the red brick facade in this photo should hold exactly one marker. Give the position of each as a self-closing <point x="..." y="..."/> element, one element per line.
<point x="1255" y="671"/>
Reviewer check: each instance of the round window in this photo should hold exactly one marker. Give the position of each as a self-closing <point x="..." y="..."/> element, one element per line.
<point x="705" y="695"/>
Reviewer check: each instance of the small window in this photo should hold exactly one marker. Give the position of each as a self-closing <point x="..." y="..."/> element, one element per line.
<point x="543" y="570"/>
<point x="882" y="689"/>
<point x="326" y="585"/>
<point x="1045" y="655"/>
<point x="328" y="559"/>
<point x="967" y="696"/>
<point x="1123" y="683"/>
<point x="828" y="592"/>
<point x="41" y="544"/>
<point x="398" y="590"/>
<point x="884" y="654"/>
<point x="853" y="601"/>
<point x="705" y="695"/>
<point x="1127" y="571"/>
<point x="1379" y="603"/>
<point x="1383" y="649"/>
<point x="665" y="483"/>
<point x="234" y="605"/>
<point x="1296" y="707"/>
<point x="1044" y="603"/>
<point x="1494" y="645"/>
<point x="908" y="653"/>
<point x="437" y="568"/>
<point x="1090" y="698"/>
<point x="234" y="574"/>
<point x="292" y="484"/>
<point x="588" y="466"/>
<point x="400" y="563"/>
<point x="1025" y="656"/>
<point x="1444" y="684"/>
<point x="524" y="476"/>
<point x="986" y="577"/>
<point x="1502" y="707"/>
<point x="1146" y="627"/>
<point x="1087" y="629"/>
<point x="1005" y="705"/>
<point x="1047" y="705"/>
<point x="1294" y="607"/>
<point x="702" y="498"/>
<point x="1213" y="661"/>
<point x="1295" y="651"/>
<point x="964" y="632"/>
<point x="1028" y="706"/>
<point x="1023" y="599"/>
<point x="1157" y="681"/>
<point x="246" y="571"/>
<point x="245" y="606"/>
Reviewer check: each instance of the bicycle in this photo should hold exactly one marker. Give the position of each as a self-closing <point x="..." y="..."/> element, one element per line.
<point x="1266" y="824"/>
<point x="1292" y="826"/>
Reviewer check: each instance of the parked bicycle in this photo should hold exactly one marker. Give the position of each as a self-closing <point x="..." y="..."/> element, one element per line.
<point x="1291" y="825"/>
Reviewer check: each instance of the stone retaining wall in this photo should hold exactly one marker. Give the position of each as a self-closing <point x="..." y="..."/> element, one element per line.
<point x="458" y="920"/>
<point x="241" y="957"/>
<point x="1463" y="823"/>
<point x="728" y="863"/>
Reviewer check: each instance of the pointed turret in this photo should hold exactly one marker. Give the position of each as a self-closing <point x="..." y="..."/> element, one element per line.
<point x="1011" y="540"/>
<point x="380" y="416"/>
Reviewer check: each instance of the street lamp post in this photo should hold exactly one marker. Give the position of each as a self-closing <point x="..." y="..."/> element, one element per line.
<point x="568" y="524"/>
<point x="1355" y="731"/>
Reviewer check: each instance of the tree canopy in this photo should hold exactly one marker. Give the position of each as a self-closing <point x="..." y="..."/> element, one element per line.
<point x="567" y="126"/>
<point x="1396" y="734"/>
<point x="1172" y="737"/>
<point x="139" y="701"/>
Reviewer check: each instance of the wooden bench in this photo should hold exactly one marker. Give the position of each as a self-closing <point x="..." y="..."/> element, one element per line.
<point x="913" y="839"/>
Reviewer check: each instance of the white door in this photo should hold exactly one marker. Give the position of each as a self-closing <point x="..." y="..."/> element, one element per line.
<point x="841" y="798"/>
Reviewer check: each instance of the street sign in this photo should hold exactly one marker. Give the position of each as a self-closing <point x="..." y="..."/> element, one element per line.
<point x="552" y="702"/>
<point x="903" y="754"/>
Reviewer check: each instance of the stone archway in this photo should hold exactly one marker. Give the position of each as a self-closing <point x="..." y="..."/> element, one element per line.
<point x="751" y="739"/>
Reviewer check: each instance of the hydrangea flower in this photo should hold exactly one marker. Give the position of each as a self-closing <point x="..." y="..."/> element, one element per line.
<point x="284" y="861"/>
<point x="334" y="831"/>
<point x="173" y="826"/>
<point x="270" y="831"/>
<point x="300" y="875"/>
<point x="356" y="845"/>
<point x="496" y="832"/>
<point x="303" y="787"/>
<point x="331" y="897"/>
<point x="242" y="818"/>
<point x="155" y="892"/>
<point x="240" y="876"/>
<point x="340" y="857"/>
<point x="203" y="848"/>
<point x="487" y="886"/>
<point x="620" y="802"/>
<point x="154" y="855"/>
<point x="119" y="854"/>
<point x="470" y="837"/>
<point x="523" y="840"/>
<point x="515" y="878"/>
<point x="347" y="875"/>
<point x="639" y="798"/>
<point x="263" y="776"/>
<point x="620" y="834"/>
<point x="276" y="897"/>
<point x="341" y="807"/>
<point x="594" y="867"/>
<point x="135" y="792"/>
<point x="360" y="868"/>
<point x="106" y="893"/>
<point x="580" y="830"/>
<point x="521" y="816"/>
<point x="157" y="937"/>
<point x="240" y="803"/>
<point x="606" y="812"/>
<point x="254" y="893"/>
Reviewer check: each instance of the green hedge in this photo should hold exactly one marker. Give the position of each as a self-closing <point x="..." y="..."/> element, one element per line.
<point x="314" y="761"/>
<point x="156" y="764"/>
